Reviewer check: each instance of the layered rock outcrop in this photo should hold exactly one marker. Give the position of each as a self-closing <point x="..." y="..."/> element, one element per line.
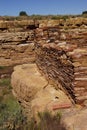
<point x="62" y="57"/>
<point x="19" y="24"/>
<point x="61" y="49"/>
<point x="16" y="48"/>
<point x="17" y="42"/>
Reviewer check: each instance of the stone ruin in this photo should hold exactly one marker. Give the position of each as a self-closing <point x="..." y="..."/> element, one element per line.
<point x="62" y="57"/>
<point x="61" y="51"/>
<point x="59" y="63"/>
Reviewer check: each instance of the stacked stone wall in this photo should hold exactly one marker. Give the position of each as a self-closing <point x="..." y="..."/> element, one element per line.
<point x="62" y="57"/>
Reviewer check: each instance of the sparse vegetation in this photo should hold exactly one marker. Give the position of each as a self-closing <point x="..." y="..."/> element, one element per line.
<point x="23" y="13"/>
<point x="47" y="122"/>
<point x="25" y="16"/>
<point x="84" y="12"/>
<point x="11" y="117"/>
<point x="5" y="82"/>
<point x="2" y="67"/>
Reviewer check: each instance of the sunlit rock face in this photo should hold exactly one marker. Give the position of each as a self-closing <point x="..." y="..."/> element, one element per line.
<point x="34" y="92"/>
<point x="62" y="57"/>
<point x="16" y="48"/>
<point x="61" y="50"/>
<point x="17" y="37"/>
<point x="58" y="76"/>
<point x="17" y="42"/>
<point x="75" y="120"/>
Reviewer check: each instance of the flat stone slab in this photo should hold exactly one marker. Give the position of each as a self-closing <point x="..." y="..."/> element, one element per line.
<point x="75" y="120"/>
<point x="50" y="99"/>
<point x="30" y="86"/>
<point x="27" y="81"/>
<point x="37" y="95"/>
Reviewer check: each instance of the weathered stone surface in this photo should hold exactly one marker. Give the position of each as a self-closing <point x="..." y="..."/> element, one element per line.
<point x="76" y="120"/>
<point x="16" y="35"/>
<point x="26" y="82"/>
<point x="16" y="25"/>
<point x="17" y="42"/>
<point x="61" y="49"/>
<point x="60" y="55"/>
<point x="35" y="95"/>
<point x="30" y="81"/>
<point x="34" y="92"/>
<point x="49" y="99"/>
<point x="16" y="48"/>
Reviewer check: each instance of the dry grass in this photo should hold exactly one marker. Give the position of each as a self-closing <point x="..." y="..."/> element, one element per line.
<point x="47" y="122"/>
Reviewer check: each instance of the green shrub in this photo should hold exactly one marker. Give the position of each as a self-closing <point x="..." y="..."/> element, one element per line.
<point x="5" y="82"/>
<point x="23" y="13"/>
<point x="11" y="117"/>
<point x="1" y="97"/>
<point x="2" y="67"/>
<point x="2" y="106"/>
<point x="84" y="12"/>
<point x="5" y="92"/>
<point x="47" y="122"/>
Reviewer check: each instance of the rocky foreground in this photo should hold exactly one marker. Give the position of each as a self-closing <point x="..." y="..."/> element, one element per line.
<point x="36" y="94"/>
<point x="57" y="79"/>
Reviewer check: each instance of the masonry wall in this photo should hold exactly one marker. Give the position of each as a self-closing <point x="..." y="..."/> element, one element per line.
<point x="62" y="57"/>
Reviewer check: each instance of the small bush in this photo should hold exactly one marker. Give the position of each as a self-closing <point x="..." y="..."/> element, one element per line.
<point x="5" y="82"/>
<point x="47" y="122"/>
<point x="5" y="92"/>
<point x="2" y="67"/>
<point x="1" y="97"/>
<point x="11" y="117"/>
<point x="84" y="12"/>
<point x="2" y="106"/>
<point x="23" y="13"/>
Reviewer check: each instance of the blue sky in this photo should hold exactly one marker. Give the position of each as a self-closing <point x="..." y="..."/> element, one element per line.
<point x="13" y="7"/>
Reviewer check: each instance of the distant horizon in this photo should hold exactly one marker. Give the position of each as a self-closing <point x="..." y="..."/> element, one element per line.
<point x="43" y="14"/>
<point x="46" y="7"/>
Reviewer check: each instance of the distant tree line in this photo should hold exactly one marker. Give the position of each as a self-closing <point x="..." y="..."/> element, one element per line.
<point x="54" y="17"/>
<point x="23" y="13"/>
<point x="84" y="12"/>
<point x="25" y="16"/>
